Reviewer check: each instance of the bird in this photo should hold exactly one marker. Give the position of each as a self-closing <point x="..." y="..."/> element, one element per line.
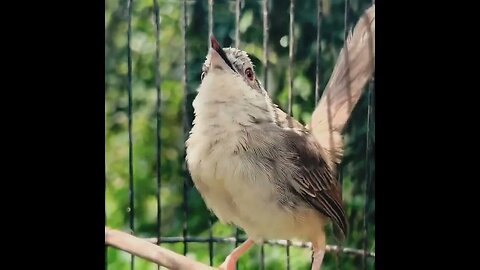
<point x="258" y="168"/>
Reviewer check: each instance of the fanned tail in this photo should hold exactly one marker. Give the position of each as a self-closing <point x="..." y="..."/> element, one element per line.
<point x="354" y="67"/>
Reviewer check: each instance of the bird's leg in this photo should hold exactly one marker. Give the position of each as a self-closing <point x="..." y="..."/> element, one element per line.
<point x="317" y="259"/>
<point x="318" y="247"/>
<point x="231" y="260"/>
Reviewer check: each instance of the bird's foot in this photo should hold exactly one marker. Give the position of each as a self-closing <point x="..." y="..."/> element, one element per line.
<point x="229" y="263"/>
<point x="317" y="259"/>
<point x="231" y="260"/>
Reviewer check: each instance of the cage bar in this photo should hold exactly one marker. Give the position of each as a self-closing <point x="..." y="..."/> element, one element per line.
<point x="185" y="124"/>
<point x="318" y="72"/>
<point x="346" y="18"/>
<point x="266" y="29"/>
<point x="158" y="116"/>
<point x="237" y="23"/>
<point x="290" y="55"/>
<point x="131" y="208"/>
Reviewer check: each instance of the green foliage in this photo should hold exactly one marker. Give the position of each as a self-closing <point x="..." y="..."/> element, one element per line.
<point x="173" y="99"/>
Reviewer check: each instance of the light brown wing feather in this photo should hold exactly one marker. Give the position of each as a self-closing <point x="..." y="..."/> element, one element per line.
<point x="355" y="66"/>
<point x="315" y="181"/>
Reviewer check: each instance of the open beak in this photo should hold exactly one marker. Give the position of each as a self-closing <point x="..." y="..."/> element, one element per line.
<point x="218" y="53"/>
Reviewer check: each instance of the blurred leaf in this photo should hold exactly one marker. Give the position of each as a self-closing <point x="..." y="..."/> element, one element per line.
<point x="246" y="21"/>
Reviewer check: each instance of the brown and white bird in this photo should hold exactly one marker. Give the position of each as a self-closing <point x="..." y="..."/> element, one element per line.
<point x="258" y="168"/>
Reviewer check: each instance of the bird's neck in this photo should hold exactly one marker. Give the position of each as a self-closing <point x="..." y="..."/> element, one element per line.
<point x="229" y="104"/>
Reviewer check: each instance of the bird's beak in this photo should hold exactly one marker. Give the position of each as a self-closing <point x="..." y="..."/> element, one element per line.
<point x="218" y="56"/>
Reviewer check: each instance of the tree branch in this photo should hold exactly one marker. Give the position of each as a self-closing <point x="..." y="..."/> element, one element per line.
<point x="151" y="252"/>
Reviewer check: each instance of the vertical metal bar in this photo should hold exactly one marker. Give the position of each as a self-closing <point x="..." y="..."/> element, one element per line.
<point x="340" y="178"/>
<point x="346" y="17"/>
<point x="337" y="261"/>
<point x="370" y="118"/>
<point x="158" y="118"/>
<point x="288" y="254"/>
<point x="210" y="20"/>
<point x="106" y="56"/>
<point x="185" y="126"/>
<point x="237" y="235"/>
<point x="130" y="144"/>
<point x="265" y="44"/>
<point x="237" y="23"/>
<point x="262" y="256"/>
<point x="368" y="165"/>
<point x="106" y="86"/>
<point x="367" y="175"/>
<point x="290" y="56"/>
<point x="106" y="257"/>
<point x="106" y="247"/>
<point x="210" y="240"/>
<point x="318" y="73"/>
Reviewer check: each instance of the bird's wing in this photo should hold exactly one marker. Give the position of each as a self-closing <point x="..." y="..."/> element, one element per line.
<point x="355" y="66"/>
<point x="314" y="181"/>
<point x="295" y="161"/>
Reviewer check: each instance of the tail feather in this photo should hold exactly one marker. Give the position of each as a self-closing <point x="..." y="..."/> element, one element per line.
<point x="355" y="66"/>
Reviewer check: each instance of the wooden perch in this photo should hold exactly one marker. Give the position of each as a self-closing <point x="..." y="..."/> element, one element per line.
<point x="151" y="252"/>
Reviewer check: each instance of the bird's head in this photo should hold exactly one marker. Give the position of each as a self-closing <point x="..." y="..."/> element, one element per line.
<point x="230" y="63"/>
<point x="228" y="77"/>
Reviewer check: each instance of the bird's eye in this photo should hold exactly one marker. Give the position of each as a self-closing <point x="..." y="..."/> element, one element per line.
<point x="249" y="73"/>
<point x="202" y="76"/>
